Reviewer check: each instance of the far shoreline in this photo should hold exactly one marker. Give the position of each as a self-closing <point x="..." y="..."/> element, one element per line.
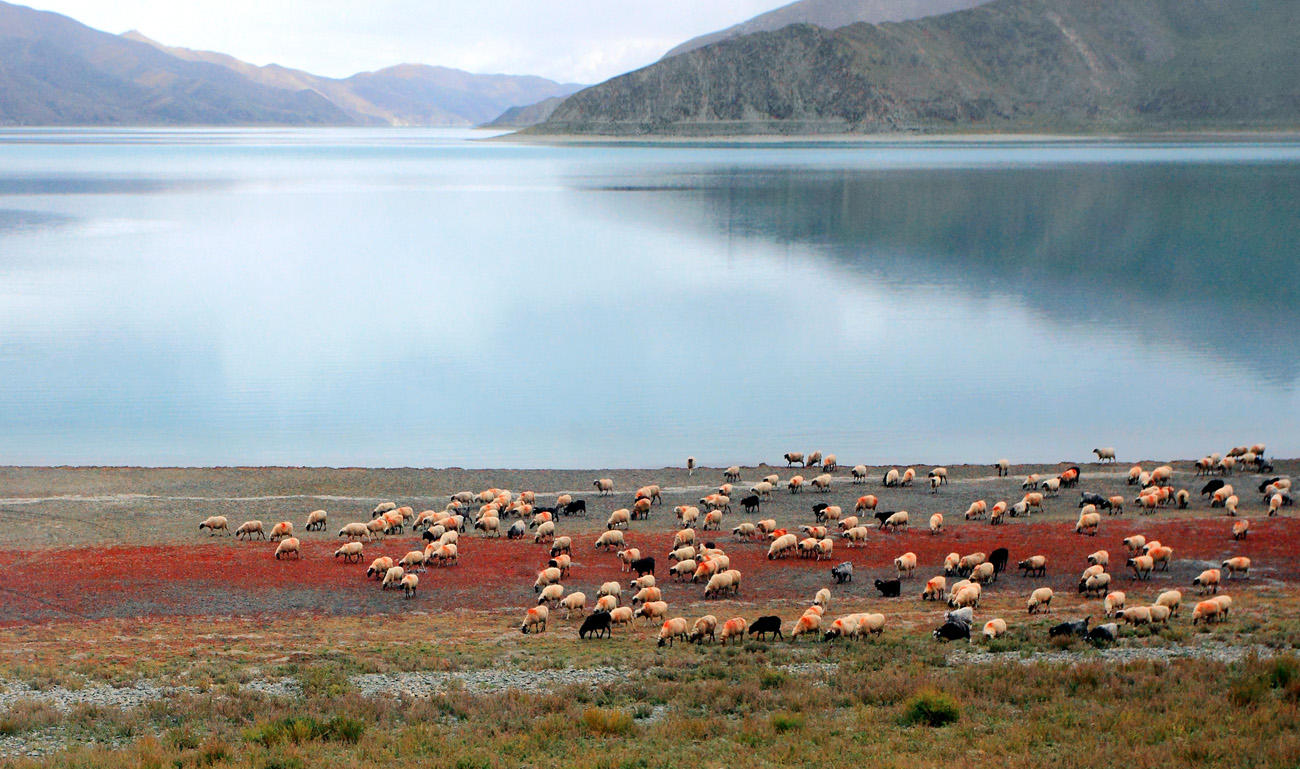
<point x="882" y="139"/>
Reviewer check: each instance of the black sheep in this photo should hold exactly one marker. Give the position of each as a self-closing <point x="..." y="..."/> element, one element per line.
<point x="766" y="625"/>
<point x="952" y="631"/>
<point x="1079" y="628"/>
<point x="1100" y="502"/>
<point x="999" y="560"/>
<point x="596" y="624"/>
<point x="575" y="507"/>
<point x="883" y="516"/>
<point x="1104" y="633"/>
<point x="889" y="588"/>
<point x="1263" y="484"/>
<point x="751" y="503"/>
<point x="643" y="566"/>
<point x="1211" y="487"/>
<point x="842" y="572"/>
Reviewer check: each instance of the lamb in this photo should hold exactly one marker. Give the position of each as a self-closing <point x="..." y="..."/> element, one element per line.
<point x="247" y="529"/>
<point x="316" y="520"/>
<point x="604" y="486"/>
<point x="704" y="626"/>
<point x="535" y="620"/>
<point x="936" y="523"/>
<point x="551" y="594"/>
<point x="610" y="540"/>
<point x="1207" y="581"/>
<point x="379" y="567"/>
<point x="574" y="602"/>
<point x="935" y="589"/>
<point x="596" y="625"/>
<point x="905" y="564"/>
<point x="842" y="572"/>
<point x="288" y="546"/>
<point x="1106" y="454"/>
<point x="214" y="524"/>
<point x="1035" y="565"/>
<point x="1040" y="600"/>
<point x="994" y="628"/>
<point x="751" y="503"/>
<point x="350" y="552"/>
<point x="1113" y="603"/>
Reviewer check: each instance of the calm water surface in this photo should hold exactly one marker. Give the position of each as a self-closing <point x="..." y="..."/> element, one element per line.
<point x="420" y="298"/>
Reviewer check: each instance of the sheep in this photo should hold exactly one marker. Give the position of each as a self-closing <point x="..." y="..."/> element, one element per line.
<point x="859" y="473"/>
<point x="610" y="540"/>
<point x="412" y="559"/>
<point x="247" y="529"/>
<point x="732" y="473"/>
<point x="889" y="588"/>
<point x="551" y="594"/>
<point x="1040" y="600"/>
<point x="1134" y="473"/>
<point x="289" y="546"/>
<point x="1225" y="604"/>
<point x="704" y="626"/>
<point x="684" y="537"/>
<point x="618" y="615"/>
<point x="1162" y="556"/>
<point x="608" y="603"/>
<point x="541" y="519"/>
<point x="214" y="524"/>
<point x="908" y="476"/>
<point x="690" y="465"/>
<point x="1135" y="543"/>
<point x="891" y="477"/>
<point x="1182" y="497"/>
<point x="822" y="597"/>
<point x="1230" y="505"/>
<point x="1206" y="611"/>
<point x="316" y="520"/>
<point x="379" y="567"/>
<point x="1141" y="566"/>
<point x="822" y="483"/>
<point x="905" y="564"/>
<point x="734" y="629"/>
<point x="447" y="555"/>
<point x="1052" y="487"/>
<point x="793" y="458"/>
<point x="1135" y="615"/>
<point x="604" y="486"/>
<point x="820" y="611"/>
<point x="721" y="584"/>
<point x="936" y="523"/>
<point x="350" y="552"/>
<point x="895" y="522"/>
<point x="489" y="525"/>
<point x="745" y="531"/>
<point x="549" y="576"/>
<point x="643" y="581"/>
<point x="855" y="535"/>
<point x="994" y="628"/>
<point x="807" y="623"/>
<point x="1170" y="599"/>
<point x="1207" y="581"/>
<point x="1003" y="467"/>
<point x="535" y="620"/>
<point x="781" y="546"/>
<point x="393" y="577"/>
<point x="967" y="563"/>
<point x="951" y="564"/>
<point x="968" y="595"/>
<point x="383" y="507"/>
<point x="952" y="631"/>
<point x="1106" y="454"/>
<point x="842" y="572"/>
<point x="977" y="510"/>
<point x="1096" y="584"/>
<point x="1031" y="482"/>
<point x="1275" y="504"/>
<point x="1116" y="505"/>
<point x="1113" y="603"/>
<point x="935" y="589"/>
<point x="652" y="611"/>
<point x="1088" y="524"/>
<point x="795" y="484"/>
<point x="847" y="522"/>
<point x="1240" y="529"/>
<point x="1033" y="500"/>
<point x="983" y="574"/>
<point x="544" y="532"/>
<point x="1034" y="564"/>
<point x="683" y="569"/>
<point x="825" y="548"/>
<point x="762" y="490"/>
<point x="1099" y="558"/>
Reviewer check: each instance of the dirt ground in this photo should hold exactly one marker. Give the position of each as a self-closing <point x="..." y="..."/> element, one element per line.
<point x="122" y="543"/>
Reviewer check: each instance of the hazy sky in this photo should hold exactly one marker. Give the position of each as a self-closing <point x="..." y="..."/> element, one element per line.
<point x="572" y="40"/>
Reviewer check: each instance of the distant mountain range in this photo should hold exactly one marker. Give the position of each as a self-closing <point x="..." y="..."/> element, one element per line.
<point x="1048" y="66"/>
<point x="831" y="14"/>
<point x="56" y="71"/>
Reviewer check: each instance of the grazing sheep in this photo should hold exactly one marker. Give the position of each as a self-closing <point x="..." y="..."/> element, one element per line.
<point x="605" y="486"/>
<point x="1225" y="603"/>
<point x="550" y="576"/>
<point x="1206" y="611"/>
<point x="1141" y="566"/>
<point x="1040" y="600"/>
<point x="859" y="473"/>
<point x="762" y="490"/>
<point x="793" y="458"/>
<point x="951" y="564"/>
<point x="1088" y="524"/>
<point x="909" y="475"/>
<point x="1079" y="628"/>
<point x="1113" y="603"/>
<point x="247" y="529"/>
<point x="350" y="552"/>
<point x="1207" y="581"/>
<point x="704" y="626"/>
<point x="795" y="484"/>
<point x="1135" y="543"/>
<point x="842" y="572"/>
<point x="822" y="598"/>
<point x="544" y="532"/>
<point x="1095" y="584"/>
<point x="732" y="474"/>
<point x="781" y="546"/>
<point x="535" y="620"/>
<point x="1240" y="528"/>
<point x="607" y="603"/>
<point x="610" y="540"/>
<point x="412" y="559"/>
<point x="379" y="567"/>
<point x="807" y="623"/>
<point x="905" y="564"/>
<point x="551" y="594"/>
<point x="1170" y="599"/>
<point x="1099" y="558"/>
<point x="690" y="465"/>
<point x="822" y="482"/>
<point x="316" y="520"/>
<point x="891" y="477"/>
<point x="983" y="574"/>
<point x="813" y="459"/>
<point x="977" y="510"/>
<point x="214" y="524"/>
<point x="281" y="530"/>
<point x="1135" y="615"/>
<point x="968" y="595"/>
<point x="393" y="577"/>
<point x="1106" y="454"/>
<point x="597" y="625"/>
<point x="952" y="631"/>
<point x="745" y="531"/>
<point x="1275" y="504"/>
<point x="652" y="611"/>
<point x="734" y="628"/>
<point x="856" y="534"/>
<point x="895" y="522"/>
<point x="766" y="625"/>
<point x="722" y="584"/>
<point x="289" y="546"/>
<point x="935" y="589"/>
<point x="1031" y="482"/>
<point x="967" y="563"/>
<point x="1003" y="467"/>
<point x="1035" y="565"/>
<point x="994" y="628"/>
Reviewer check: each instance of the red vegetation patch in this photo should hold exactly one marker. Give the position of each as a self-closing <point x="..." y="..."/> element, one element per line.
<point x="225" y="578"/>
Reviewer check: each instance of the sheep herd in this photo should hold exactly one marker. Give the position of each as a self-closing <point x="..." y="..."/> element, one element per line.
<point x="696" y="555"/>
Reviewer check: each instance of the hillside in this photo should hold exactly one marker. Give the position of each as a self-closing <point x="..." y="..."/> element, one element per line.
<point x="830" y="14"/>
<point x="528" y="115"/>
<point x="1012" y="65"/>
<point x="55" y="71"/>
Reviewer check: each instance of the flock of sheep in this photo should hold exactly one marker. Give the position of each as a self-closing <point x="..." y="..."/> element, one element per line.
<point x="696" y="558"/>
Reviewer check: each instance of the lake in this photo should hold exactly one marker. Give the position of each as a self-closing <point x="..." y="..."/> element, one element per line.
<point x="425" y="298"/>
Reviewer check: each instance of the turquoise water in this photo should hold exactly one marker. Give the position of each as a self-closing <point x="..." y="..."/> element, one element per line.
<point x="422" y="298"/>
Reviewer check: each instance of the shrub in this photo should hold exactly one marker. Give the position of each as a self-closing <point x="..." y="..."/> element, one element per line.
<point x="327" y="681"/>
<point x="296" y="730"/>
<point x="931" y="708"/>
<point x="772" y="679"/>
<point x="607" y="721"/>
<point x="26" y="716"/>
<point x="787" y="722"/>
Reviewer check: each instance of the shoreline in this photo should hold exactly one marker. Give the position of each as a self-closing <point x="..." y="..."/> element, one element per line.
<point x="884" y="139"/>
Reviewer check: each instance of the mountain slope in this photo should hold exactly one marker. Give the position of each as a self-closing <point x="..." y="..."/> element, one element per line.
<point x="528" y="115"/>
<point x="1011" y="65"/>
<point x="55" y="71"/>
<point x="830" y="14"/>
<point x="407" y="94"/>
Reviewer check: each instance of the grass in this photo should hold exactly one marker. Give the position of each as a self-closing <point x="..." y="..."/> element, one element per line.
<point x="931" y="708"/>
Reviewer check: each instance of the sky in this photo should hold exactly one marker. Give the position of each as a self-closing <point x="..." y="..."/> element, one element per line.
<point x="582" y="41"/>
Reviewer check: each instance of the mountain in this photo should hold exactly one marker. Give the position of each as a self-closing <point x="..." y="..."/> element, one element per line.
<point x="529" y="115"/>
<point x="830" y="14"/>
<point x="1011" y="65"/>
<point x="406" y="94"/>
<point x="55" y="71"/>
